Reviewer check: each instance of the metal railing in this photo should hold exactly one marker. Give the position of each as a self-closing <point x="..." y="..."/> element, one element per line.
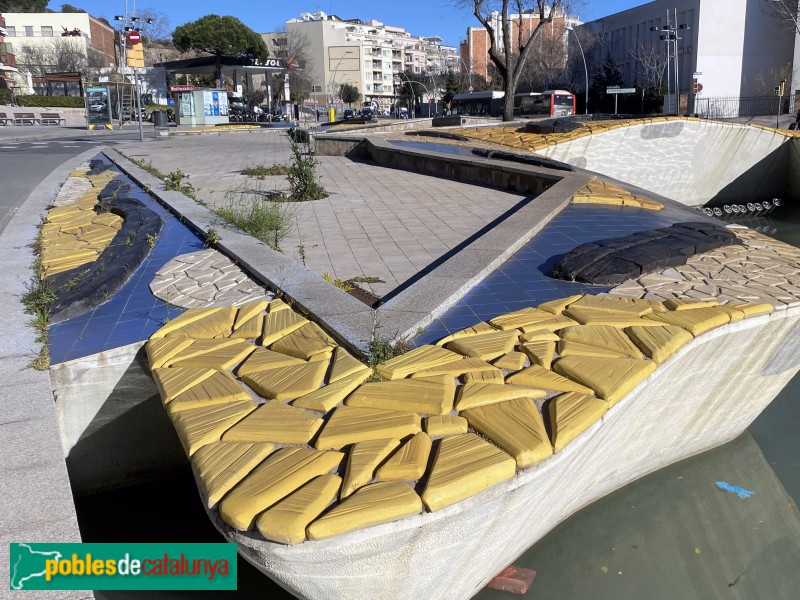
<point x="728" y="107"/>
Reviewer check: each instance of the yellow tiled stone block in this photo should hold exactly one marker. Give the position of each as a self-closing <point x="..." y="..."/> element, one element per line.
<point x="457" y="368"/>
<point x="601" y="336"/>
<point x="696" y="320"/>
<point x="553" y="323"/>
<point x="110" y="220"/>
<point x="185" y="318"/>
<point x="419" y="359"/>
<point x="539" y="335"/>
<point x="439" y="426"/>
<point x="604" y="317"/>
<point x="249" y="311"/>
<point x="221" y="387"/>
<point x="571" y="414"/>
<point x="280" y="322"/>
<point x="373" y="504"/>
<point x="220" y="466"/>
<point x="465" y="465"/>
<point x="513" y="361"/>
<point x="213" y="354"/>
<point x="287" y="382"/>
<point x="514" y="426"/>
<point x="200" y="426"/>
<point x="159" y="351"/>
<point x="304" y="342"/>
<point x="688" y="304"/>
<point x="281" y="474"/>
<point x="659" y="343"/>
<point x="408" y="461"/>
<point x="426" y="395"/>
<point x="539" y="353"/>
<point x="250" y="329"/>
<point x="485" y="377"/>
<point x="753" y="310"/>
<point x="172" y="382"/>
<point x="286" y="521"/>
<point x="734" y="314"/>
<point x="473" y="395"/>
<point x="216" y="324"/>
<point x="275" y="422"/>
<point x="614" y="305"/>
<point x="479" y="328"/>
<point x="485" y="346"/>
<point x="362" y="460"/>
<point x="520" y="318"/>
<point x="557" y="306"/>
<point x="610" y="378"/>
<point x="343" y="365"/>
<point x="264" y="360"/>
<point x="538" y="377"/>
<point x="327" y="398"/>
<point x="350" y="424"/>
<point x="570" y="348"/>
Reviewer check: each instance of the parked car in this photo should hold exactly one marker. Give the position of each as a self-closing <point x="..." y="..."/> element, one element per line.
<point x="349" y="113"/>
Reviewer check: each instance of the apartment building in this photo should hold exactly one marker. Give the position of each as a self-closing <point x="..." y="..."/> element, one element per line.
<point x="8" y="64"/>
<point x="474" y="49"/>
<point x="35" y="35"/>
<point x="366" y="54"/>
<point x="734" y="48"/>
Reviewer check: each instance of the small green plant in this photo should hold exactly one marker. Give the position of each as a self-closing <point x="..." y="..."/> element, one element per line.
<point x="211" y="238"/>
<point x="42" y="360"/>
<point x="75" y="280"/>
<point x="174" y="180"/>
<point x="130" y="238"/>
<point x="261" y="171"/>
<point x="301" y="252"/>
<point x="250" y="209"/>
<point x="151" y="239"/>
<point x="361" y="279"/>
<point x="302" y="175"/>
<point x="342" y="285"/>
<point x="145" y="165"/>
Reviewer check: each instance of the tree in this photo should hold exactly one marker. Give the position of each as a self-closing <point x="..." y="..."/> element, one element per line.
<point x="23" y="6"/>
<point x="786" y="10"/>
<point x="68" y="8"/>
<point x="349" y="93"/>
<point x="61" y="55"/>
<point x="409" y="89"/>
<point x="451" y="87"/>
<point x="220" y="36"/>
<point x="293" y="50"/>
<point x="606" y="75"/>
<point x="494" y="14"/>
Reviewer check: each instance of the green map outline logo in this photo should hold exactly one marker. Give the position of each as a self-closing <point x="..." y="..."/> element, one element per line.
<point x="54" y="554"/>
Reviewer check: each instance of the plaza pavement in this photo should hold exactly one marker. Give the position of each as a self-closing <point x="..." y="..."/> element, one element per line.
<point x="377" y="222"/>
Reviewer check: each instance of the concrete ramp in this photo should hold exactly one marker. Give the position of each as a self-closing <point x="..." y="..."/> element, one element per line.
<point x="691" y="161"/>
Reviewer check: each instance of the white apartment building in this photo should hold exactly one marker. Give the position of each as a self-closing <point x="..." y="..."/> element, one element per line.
<point x="734" y="48"/>
<point x="368" y="55"/>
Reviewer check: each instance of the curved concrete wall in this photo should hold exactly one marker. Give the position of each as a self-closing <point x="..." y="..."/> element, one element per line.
<point x="703" y="396"/>
<point x="691" y="161"/>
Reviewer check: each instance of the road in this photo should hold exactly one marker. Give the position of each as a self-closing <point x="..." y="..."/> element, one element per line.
<point x="24" y="164"/>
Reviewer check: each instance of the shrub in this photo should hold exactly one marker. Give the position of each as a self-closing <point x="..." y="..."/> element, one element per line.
<point x="262" y="171"/>
<point x="51" y="101"/>
<point x="5" y="96"/>
<point x="302" y="175"/>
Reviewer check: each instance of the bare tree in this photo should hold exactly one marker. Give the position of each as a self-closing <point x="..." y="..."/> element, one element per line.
<point x="651" y="63"/>
<point x="505" y="21"/>
<point x="548" y="62"/>
<point x="786" y="10"/>
<point x="159" y="30"/>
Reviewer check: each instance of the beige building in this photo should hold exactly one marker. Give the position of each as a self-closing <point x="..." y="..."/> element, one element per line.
<point x="50" y="42"/>
<point x="368" y="55"/>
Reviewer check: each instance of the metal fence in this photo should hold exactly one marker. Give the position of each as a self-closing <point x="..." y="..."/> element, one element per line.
<point x="742" y="106"/>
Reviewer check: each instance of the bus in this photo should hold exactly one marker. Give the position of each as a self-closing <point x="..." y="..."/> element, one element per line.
<point x="555" y="103"/>
<point x="478" y="104"/>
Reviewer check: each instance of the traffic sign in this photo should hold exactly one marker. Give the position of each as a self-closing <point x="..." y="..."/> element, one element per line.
<point x="619" y="90"/>
<point x="697" y="74"/>
<point x="134" y="37"/>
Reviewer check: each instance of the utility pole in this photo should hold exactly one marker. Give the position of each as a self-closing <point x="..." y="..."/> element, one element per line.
<point x="670" y="36"/>
<point x="130" y="32"/>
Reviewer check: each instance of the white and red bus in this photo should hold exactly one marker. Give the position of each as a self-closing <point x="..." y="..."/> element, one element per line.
<point x="555" y="103"/>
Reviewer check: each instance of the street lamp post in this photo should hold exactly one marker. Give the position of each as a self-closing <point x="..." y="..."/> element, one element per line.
<point x="585" y="69"/>
<point x="670" y="36"/>
<point x="131" y="24"/>
<point x="409" y="82"/>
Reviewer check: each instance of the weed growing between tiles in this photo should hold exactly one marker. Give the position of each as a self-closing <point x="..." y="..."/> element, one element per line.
<point x="302" y="174"/>
<point x="37" y="301"/>
<point x="260" y="171"/>
<point x="250" y="209"/>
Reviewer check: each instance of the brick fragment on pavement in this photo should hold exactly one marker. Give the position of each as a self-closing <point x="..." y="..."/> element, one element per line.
<point x="514" y="580"/>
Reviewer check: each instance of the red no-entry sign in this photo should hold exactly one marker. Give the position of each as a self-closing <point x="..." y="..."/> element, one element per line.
<point x="134" y="37"/>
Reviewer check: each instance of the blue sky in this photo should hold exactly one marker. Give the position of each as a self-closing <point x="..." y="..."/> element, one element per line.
<point x="420" y="17"/>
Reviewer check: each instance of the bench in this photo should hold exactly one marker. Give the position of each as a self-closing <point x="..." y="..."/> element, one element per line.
<point x="4" y="119"/>
<point x="51" y="119"/>
<point x="25" y="119"/>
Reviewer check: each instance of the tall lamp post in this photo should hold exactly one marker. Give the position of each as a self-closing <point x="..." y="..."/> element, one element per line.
<point x="409" y="82"/>
<point x="670" y="36"/>
<point x="585" y="69"/>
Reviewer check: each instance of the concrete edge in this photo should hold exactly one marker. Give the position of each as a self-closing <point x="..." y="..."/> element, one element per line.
<point x="37" y="498"/>
<point x="350" y="321"/>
